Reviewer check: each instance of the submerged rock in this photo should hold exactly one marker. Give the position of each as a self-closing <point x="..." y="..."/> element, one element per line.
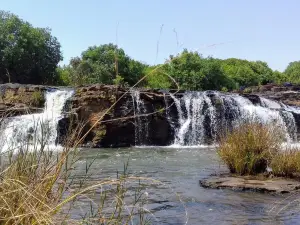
<point x="270" y="185"/>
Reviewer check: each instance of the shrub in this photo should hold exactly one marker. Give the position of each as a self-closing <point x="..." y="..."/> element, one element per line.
<point x="248" y="148"/>
<point x="38" y="98"/>
<point x="286" y="163"/>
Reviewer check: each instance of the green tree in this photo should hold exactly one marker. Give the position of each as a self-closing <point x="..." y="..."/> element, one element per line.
<point x="109" y="61"/>
<point x="292" y="72"/>
<point x="105" y="64"/>
<point x="191" y="71"/>
<point x="157" y="77"/>
<point x="279" y="77"/>
<point x="27" y="54"/>
<point x="246" y="73"/>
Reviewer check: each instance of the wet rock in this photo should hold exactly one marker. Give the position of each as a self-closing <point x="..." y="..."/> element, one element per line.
<point x="274" y="185"/>
<point x="253" y="98"/>
<point x="110" y="112"/>
<point x="19" y="99"/>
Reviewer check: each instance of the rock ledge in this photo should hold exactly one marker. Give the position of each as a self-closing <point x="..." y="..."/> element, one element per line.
<point x="273" y="185"/>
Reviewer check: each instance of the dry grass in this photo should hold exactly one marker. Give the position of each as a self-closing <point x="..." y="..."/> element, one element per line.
<point x="38" y="187"/>
<point x="286" y="163"/>
<point x="248" y="149"/>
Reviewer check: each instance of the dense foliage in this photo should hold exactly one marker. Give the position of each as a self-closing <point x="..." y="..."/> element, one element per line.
<point x="31" y="55"/>
<point x="189" y="70"/>
<point x="194" y="72"/>
<point x="106" y="64"/>
<point x="27" y="54"/>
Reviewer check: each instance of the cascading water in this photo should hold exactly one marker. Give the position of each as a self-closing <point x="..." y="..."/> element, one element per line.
<point x="192" y="109"/>
<point x="35" y="130"/>
<point x="141" y="122"/>
<point x="286" y="115"/>
<point x="203" y="115"/>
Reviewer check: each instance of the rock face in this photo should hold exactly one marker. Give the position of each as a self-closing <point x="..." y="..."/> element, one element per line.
<point x="120" y="117"/>
<point x="287" y="94"/>
<point x="116" y="107"/>
<point x="16" y="99"/>
<point x="275" y="185"/>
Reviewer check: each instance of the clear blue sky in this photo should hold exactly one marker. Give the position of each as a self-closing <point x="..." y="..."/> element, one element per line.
<point x="265" y="30"/>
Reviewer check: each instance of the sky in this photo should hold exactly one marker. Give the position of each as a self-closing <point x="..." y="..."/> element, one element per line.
<point x="151" y="30"/>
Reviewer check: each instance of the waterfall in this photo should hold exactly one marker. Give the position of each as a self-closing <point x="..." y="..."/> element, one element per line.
<point x="140" y="120"/>
<point x="35" y="130"/>
<point x="286" y="115"/>
<point x="204" y="115"/>
<point x="193" y="108"/>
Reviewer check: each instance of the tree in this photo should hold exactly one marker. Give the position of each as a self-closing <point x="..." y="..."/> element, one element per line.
<point x="105" y="64"/>
<point x="292" y="72"/>
<point x="191" y="71"/>
<point x="157" y="77"/>
<point x="110" y="61"/>
<point x="247" y="73"/>
<point x="27" y="54"/>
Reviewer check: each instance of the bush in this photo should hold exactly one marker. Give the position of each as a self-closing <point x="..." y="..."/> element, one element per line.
<point x="249" y="147"/>
<point x="38" y="98"/>
<point x="286" y="163"/>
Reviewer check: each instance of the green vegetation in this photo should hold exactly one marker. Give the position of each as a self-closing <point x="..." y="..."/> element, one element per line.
<point x="249" y="148"/>
<point x="252" y="147"/>
<point x="28" y="54"/>
<point x="31" y="55"/>
<point x="292" y="72"/>
<point x="41" y="187"/>
<point x="38" y="98"/>
<point x="286" y="163"/>
<point x="106" y="64"/>
<point x="189" y="69"/>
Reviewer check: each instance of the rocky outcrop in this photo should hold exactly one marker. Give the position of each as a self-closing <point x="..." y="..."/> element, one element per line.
<point x="109" y="113"/>
<point x="288" y="94"/>
<point x="113" y="116"/>
<point x="120" y="117"/>
<point x="17" y="99"/>
<point x="266" y="185"/>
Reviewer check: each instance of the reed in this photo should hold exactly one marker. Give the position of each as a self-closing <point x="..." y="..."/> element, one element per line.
<point x="249" y="147"/>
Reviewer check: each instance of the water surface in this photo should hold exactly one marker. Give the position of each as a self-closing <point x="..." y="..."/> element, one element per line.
<point x="179" y="171"/>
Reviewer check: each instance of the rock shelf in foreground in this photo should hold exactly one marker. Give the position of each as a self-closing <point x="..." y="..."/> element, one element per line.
<point x="272" y="185"/>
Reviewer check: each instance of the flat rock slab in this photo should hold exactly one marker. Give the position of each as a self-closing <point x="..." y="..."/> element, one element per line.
<point x="274" y="185"/>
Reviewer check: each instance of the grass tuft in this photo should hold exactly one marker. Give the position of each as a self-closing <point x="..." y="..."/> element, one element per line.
<point x="286" y="163"/>
<point x="248" y="148"/>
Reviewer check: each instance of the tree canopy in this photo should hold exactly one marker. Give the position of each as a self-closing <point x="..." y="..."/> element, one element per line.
<point x="109" y="64"/>
<point x="106" y="64"/>
<point x="31" y="55"/>
<point x="27" y="54"/>
<point x="292" y="72"/>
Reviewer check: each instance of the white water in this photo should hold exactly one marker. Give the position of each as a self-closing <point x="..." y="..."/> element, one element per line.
<point x="35" y="130"/>
<point x="198" y="119"/>
<point x="141" y="122"/>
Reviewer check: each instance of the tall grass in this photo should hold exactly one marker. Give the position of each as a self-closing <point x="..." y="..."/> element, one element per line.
<point x="286" y="163"/>
<point x="39" y="186"/>
<point x="248" y="148"/>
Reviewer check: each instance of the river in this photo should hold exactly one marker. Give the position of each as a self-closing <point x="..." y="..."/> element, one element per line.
<point x="178" y="198"/>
